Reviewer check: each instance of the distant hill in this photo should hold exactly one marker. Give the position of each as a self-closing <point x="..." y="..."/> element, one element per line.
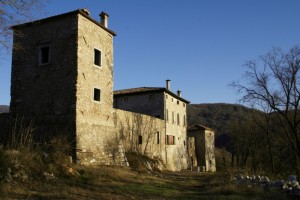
<point x="4" y="109"/>
<point x="217" y="116"/>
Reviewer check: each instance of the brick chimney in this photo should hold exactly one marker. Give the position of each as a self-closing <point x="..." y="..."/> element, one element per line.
<point x="104" y="19"/>
<point x="168" y="85"/>
<point x="179" y="93"/>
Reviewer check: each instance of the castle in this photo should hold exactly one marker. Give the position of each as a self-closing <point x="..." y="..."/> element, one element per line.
<point x="62" y="78"/>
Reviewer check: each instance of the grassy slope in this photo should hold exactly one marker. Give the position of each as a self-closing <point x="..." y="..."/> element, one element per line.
<point x="115" y="182"/>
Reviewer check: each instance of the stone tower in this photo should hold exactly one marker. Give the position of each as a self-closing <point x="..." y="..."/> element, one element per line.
<point x="62" y="78"/>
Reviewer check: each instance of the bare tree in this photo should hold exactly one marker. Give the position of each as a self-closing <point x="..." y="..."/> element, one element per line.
<point x="13" y="12"/>
<point x="274" y="80"/>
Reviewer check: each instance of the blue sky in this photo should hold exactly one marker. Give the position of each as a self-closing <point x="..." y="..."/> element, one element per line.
<point x="200" y="45"/>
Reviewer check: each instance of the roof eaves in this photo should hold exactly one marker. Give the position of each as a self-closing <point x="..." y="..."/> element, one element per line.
<point x="78" y="11"/>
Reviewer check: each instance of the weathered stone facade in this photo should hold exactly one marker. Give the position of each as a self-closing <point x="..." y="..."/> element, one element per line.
<point x="201" y="145"/>
<point x="160" y="103"/>
<point x="62" y="77"/>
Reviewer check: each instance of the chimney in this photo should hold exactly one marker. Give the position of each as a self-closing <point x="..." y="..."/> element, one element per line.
<point x="104" y="19"/>
<point x="168" y="84"/>
<point x="179" y="93"/>
<point x="86" y="11"/>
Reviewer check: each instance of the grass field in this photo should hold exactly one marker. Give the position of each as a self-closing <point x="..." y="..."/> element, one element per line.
<point x="115" y="182"/>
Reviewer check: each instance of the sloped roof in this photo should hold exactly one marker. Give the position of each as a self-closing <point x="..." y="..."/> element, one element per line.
<point x="199" y="127"/>
<point x="83" y="12"/>
<point x="144" y="90"/>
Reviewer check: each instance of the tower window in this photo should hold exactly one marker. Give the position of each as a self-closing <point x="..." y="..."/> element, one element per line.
<point x="97" y="57"/>
<point x="44" y="54"/>
<point x="97" y="93"/>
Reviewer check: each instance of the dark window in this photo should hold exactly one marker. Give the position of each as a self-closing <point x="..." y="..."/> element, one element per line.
<point x="97" y="57"/>
<point x="167" y="115"/>
<point x="140" y="139"/>
<point x="173" y="117"/>
<point x="177" y="102"/>
<point x="170" y="139"/>
<point x="184" y="123"/>
<point x="97" y="93"/>
<point x="158" y="137"/>
<point x="151" y="97"/>
<point x="178" y="119"/>
<point x="44" y="55"/>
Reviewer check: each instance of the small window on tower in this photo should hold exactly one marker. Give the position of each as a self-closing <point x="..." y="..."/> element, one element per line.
<point x="97" y="93"/>
<point x="44" y="54"/>
<point x="97" y="57"/>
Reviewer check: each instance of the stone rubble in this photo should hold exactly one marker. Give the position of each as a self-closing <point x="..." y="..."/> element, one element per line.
<point x="290" y="186"/>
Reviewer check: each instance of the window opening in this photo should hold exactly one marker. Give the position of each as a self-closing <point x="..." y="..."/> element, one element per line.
<point x="97" y="93"/>
<point x="170" y="139"/>
<point x="97" y="57"/>
<point x="140" y="139"/>
<point x="44" y="55"/>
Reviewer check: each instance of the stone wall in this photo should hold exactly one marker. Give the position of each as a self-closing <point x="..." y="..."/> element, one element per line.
<point x="44" y="93"/>
<point x="97" y="141"/>
<point x="175" y="110"/>
<point x="149" y="104"/>
<point x="5" y="126"/>
<point x="210" y="160"/>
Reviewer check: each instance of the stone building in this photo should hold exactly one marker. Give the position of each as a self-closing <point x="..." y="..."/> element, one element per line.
<point x="201" y="146"/>
<point x="62" y="78"/>
<point x="164" y="105"/>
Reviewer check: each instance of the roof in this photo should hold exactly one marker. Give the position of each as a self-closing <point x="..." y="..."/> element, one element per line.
<point x="82" y="12"/>
<point x="145" y="90"/>
<point x="199" y="127"/>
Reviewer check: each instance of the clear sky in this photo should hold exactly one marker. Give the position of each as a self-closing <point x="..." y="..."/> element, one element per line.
<point x="200" y="45"/>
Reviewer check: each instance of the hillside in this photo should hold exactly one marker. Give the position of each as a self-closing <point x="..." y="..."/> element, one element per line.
<point x="218" y="117"/>
<point x="4" y="109"/>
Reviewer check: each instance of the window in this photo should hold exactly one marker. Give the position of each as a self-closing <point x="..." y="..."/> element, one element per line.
<point x="170" y="139"/>
<point x="97" y="57"/>
<point x="177" y="102"/>
<point x="183" y="104"/>
<point x="167" y="115"/>
<point x="97" y="93"/>
<point x="166" y="96"/>
<point x="178" y="119"/>
<point x="173" y="117"/>
<point x="44" y="54"/>
<point x="140" y="139"/>
<point x="158" y="137"/>
<point x="184" y="123"/>
<point x="151" y="97"/>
